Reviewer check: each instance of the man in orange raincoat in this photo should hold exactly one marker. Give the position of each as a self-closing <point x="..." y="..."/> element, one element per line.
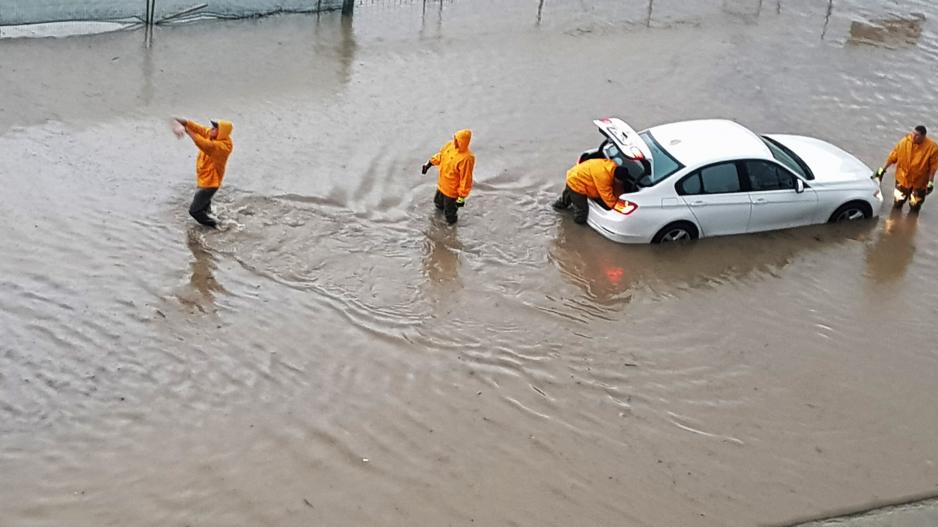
<point x="591" y="179"/>
<point x="916" y="160"/>
<point x="214" y="148"/>
<point x="456" y="164"/>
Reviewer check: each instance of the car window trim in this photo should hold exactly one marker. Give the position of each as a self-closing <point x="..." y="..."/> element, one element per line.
<point x="679" y="185"/>
<point x="783" y="148"/>
<point x="663" y="150"/>
<point x="743" y="182"/>
<point x="778" y="164"/>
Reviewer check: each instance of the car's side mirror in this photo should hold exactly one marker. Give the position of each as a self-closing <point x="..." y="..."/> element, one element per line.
<point x="799" y="185"/>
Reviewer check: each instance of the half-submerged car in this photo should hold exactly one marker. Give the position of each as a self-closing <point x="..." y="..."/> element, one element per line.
<point x="715" y="177"/>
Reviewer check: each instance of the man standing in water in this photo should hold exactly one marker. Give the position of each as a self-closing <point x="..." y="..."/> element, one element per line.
<point x="916" y="160"/>
<point x="456" y="164"/>
<point x="214" y="148"/>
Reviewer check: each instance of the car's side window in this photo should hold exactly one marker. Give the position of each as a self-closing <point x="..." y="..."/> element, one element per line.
<point x="690" y="185"/>
<point x="720" y="179"/>
<point x="767" y="176"/>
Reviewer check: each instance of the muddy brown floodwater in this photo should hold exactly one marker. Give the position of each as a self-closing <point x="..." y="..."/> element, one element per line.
<point x="345" y="358"/>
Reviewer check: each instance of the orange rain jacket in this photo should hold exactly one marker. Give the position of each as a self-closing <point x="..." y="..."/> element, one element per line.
<point x="213" y="153"/>
<point x="915" y="164"/>
<point x="594" y="179"/>
<point x="456" y="164"/>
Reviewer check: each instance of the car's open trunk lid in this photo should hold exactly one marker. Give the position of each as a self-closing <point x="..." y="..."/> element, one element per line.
<point x="625" y="139"/>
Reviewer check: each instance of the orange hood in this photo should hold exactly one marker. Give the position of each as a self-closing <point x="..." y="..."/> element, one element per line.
<point x="224" y="129"/>
<point x="462" y="139"/>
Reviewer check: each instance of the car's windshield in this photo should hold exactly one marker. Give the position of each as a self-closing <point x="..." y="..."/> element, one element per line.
<point x="663" y="163"/>
<point x="787" y="158"/>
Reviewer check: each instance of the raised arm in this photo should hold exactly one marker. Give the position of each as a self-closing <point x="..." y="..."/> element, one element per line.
<point x="205" y="144"/>
<point x="193" y="127"/>
<point x="433" y="161"/>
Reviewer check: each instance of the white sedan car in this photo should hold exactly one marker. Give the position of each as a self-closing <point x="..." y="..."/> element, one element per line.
<point x="716" y="177"/>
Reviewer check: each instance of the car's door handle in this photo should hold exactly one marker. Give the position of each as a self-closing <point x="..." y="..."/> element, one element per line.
<point x="697" y="203"/>
<point x="760" y="201"/>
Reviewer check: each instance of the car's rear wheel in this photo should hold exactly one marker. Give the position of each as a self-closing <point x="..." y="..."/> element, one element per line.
<point x="852" y="211"/>
<point x="679" y="231"/>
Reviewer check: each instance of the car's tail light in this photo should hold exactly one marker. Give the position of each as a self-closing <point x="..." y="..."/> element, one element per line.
<point x="625" y="207"/>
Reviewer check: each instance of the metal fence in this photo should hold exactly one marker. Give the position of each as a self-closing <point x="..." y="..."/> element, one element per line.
<point x="25" y="12"/>
<point x="69" y="17"/>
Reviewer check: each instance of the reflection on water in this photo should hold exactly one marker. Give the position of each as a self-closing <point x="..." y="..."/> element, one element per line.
<point x="889" y="257"/>
<point x="611" y="274"/>
<point x="605" y="273"/>
<point x="442" y="248"/>
<point x="827" y="18"/>
<point x="202" y="283"/>
<point x="347" y="47"/>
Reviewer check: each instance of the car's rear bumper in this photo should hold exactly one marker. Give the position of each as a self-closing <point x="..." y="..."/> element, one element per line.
<point x="618" y="227"/>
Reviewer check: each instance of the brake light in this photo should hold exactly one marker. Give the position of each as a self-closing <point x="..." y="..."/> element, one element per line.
<point x="625" y="207"/>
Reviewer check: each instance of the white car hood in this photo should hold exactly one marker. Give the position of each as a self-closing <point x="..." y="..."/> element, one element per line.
<point x="829" y="163"/>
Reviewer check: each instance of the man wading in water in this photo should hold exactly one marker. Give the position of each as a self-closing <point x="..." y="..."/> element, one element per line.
<point x="916" y="160"/>
<point x="214" y="148"/>
<point x="456" y="164"/>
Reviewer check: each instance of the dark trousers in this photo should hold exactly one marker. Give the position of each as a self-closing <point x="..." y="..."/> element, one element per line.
<point x="578" y="201"/>
<point x="447" y="205"/>
<point x="904" y="193"/>
<point x="202" y="205"/>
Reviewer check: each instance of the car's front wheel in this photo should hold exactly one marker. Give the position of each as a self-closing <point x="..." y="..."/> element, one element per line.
<point x="680" y="231"/>
<point x="854" y="210"/>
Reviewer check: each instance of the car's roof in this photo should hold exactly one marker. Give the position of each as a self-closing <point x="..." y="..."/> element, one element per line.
<point x="695" y="143"/>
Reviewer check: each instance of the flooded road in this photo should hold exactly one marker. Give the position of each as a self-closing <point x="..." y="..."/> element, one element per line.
<point x="343" y="357"/>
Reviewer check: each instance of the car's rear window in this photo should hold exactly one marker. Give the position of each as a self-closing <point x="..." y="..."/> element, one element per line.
<point x="664" y="163"/>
